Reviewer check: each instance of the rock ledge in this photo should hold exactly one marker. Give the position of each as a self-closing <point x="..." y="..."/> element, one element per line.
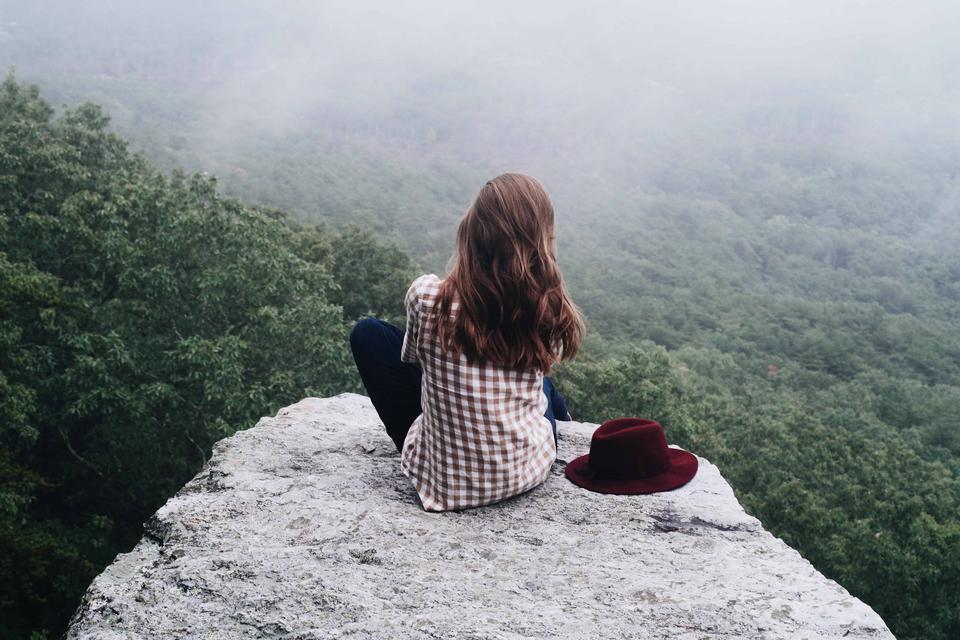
<point x="304" y="528"/>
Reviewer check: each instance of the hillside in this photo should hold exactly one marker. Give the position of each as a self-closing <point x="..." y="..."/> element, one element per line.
<point x="767" y="251"/>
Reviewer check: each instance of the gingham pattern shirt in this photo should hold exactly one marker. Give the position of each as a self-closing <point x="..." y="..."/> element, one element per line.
<point x="482" y="436"/>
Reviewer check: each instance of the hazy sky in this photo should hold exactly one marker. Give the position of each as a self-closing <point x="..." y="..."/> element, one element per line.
<point x="572" y="48"/>
<point x="549" y="87"/>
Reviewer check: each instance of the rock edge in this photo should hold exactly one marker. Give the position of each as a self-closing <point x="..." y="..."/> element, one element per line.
<point x="303" y="527"/>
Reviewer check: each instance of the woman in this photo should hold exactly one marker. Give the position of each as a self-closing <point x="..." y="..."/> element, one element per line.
<point x="462" y="392"/>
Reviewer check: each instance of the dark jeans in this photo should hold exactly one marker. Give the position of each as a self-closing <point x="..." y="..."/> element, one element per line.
<point x="394" y="386"/>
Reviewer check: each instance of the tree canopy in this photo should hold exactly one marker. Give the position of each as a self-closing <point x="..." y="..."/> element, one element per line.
<point x="144" y="317"/>
<point x="788" y="311"/>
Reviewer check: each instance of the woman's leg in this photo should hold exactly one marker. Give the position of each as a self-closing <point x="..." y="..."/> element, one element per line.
<point x="559" y="404"/>
<point x="556" y="405"/>
<point x="393" y="386"/>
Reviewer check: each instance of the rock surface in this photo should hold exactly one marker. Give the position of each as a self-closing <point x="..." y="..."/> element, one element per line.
<point x="304" y="528"/>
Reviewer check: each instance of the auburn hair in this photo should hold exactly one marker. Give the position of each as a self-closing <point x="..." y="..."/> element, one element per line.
<point x="512" y="307"/>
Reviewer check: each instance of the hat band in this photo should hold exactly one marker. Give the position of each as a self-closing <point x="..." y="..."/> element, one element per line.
<point x="634" y="473"/>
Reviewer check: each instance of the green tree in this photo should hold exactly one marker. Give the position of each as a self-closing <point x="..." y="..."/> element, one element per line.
<point x="143" y="318"/>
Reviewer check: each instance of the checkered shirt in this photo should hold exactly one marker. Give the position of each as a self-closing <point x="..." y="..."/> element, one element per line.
<point x="482" y="436"/>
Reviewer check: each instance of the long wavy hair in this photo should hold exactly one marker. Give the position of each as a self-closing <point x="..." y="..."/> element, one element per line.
<point x="512" y="307"/>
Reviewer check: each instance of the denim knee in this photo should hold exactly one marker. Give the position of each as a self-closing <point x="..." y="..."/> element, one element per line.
<point x="362" y="332"/>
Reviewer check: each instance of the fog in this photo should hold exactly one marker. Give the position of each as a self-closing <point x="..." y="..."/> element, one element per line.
<point x="596" y="99"/>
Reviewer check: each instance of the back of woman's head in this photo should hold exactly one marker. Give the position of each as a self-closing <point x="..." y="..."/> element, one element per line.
<point x="512" y="307"/>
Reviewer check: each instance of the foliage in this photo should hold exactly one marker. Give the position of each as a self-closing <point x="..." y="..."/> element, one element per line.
<point x="370" y="272"/>
<point x="142" y="318"/>
<point x="799" y="285"/>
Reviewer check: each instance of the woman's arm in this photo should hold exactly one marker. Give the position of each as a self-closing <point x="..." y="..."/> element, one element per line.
<point x="411" y="338"/>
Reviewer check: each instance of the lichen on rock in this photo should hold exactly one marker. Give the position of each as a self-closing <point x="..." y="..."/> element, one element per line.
<point x="303" y="527"/>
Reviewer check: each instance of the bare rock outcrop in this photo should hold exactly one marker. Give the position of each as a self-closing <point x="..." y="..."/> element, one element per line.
<point x="303" y="527"/>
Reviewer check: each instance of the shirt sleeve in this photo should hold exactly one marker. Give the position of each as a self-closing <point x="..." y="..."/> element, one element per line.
<point x="411" y="302"/>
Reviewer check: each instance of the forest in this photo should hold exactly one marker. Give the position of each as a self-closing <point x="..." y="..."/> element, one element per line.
<point x="775" y="279"/>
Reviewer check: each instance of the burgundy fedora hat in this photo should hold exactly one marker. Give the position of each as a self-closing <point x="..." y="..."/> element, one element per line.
<point x="631" y="455"/>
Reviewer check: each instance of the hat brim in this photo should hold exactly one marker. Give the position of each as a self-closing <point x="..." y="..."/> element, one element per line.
<point x="683" y="466"/>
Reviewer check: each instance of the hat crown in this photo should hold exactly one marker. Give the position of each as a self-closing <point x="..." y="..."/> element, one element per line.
<point x="629" y="449"/>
